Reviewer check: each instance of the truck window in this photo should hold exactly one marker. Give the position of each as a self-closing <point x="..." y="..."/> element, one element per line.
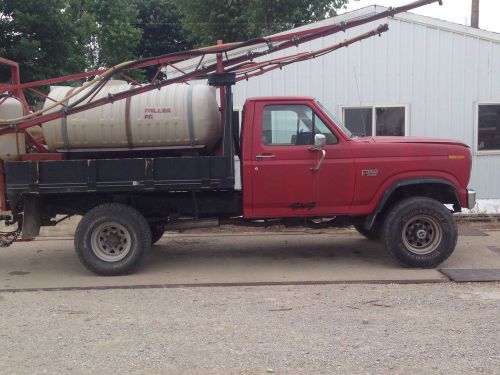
<point x="292" y="125"/>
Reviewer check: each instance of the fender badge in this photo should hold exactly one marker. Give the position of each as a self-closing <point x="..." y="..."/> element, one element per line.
<point x="369" y="172"/>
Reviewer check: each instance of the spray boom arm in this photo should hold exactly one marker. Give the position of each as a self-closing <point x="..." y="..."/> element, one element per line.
<point x="244" y="59"/>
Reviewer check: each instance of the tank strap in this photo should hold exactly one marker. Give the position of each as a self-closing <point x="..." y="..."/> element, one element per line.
<point x="64" y="123"/>
<point x="190" y="115"/>
<point x="128" y="130"/>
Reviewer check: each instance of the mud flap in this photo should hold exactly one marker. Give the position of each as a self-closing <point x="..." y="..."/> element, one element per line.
<point x="32" y="216"/>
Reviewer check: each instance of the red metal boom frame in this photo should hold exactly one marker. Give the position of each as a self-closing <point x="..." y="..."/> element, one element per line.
<point x="244" y="66"/>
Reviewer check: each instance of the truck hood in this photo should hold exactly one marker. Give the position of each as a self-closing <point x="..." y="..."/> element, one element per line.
<point x="427" y="140"/>
<point x="419" y="155"/>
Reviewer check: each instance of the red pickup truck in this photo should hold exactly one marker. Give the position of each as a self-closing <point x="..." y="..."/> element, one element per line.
<point x="297" y="161"/>
<point x="393" y="188"/>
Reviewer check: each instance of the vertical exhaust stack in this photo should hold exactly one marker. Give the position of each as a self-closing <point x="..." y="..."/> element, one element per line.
<point x="474" y="18"/>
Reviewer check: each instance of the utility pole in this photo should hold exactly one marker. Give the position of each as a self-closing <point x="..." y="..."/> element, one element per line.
<point x="474" y="18"/>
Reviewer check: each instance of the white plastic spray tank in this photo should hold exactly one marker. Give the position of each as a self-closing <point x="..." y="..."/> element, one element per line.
<point x="178" y="115"/>
<point x="12" y="144"/>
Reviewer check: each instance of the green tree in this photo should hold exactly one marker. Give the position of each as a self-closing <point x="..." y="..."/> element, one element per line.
<point x="57" y="37"/>
<point x="160" y="22"/>
<point x="42" y="37"/>
<point x="206" y="21"/>
<point x="162" y="33"/>
<point x="51" y="38"/>
<point x="271" y="16"/>
<point x="83" y="28"/>
<point x="115" y="35"/>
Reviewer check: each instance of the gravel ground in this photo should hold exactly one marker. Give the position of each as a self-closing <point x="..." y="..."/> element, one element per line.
<point x="346" y="329"/>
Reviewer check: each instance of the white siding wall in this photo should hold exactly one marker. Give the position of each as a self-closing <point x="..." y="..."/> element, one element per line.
<point x="440" y="70"/>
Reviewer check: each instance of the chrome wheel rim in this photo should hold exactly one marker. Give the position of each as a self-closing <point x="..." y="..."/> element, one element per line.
<point x="422" y="234"/>
<point x="111" y="242"/>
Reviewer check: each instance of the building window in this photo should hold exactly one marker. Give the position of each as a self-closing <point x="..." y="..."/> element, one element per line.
<point x="488" y="127"/>
<point x="359" y="121"/>
<point x="292" y="125"/>
<point x="377" y="120"/>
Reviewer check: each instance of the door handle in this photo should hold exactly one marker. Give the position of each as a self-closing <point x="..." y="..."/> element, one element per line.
<point x="266" y="156"/>
<point x="318" y="164"/>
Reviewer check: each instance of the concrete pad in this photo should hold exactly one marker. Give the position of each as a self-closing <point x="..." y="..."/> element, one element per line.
<point x="244" y="258"/>
<point x="472" y="275"/>
<point x="475" y="252"/>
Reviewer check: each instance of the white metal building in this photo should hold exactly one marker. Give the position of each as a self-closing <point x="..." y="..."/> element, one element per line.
<point x="425" y="77"/>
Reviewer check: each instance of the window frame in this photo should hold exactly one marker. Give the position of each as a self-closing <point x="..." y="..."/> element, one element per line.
<point x="317" y="113"/>
<point x="373" y="107"/>
<point x="477" y="151"/>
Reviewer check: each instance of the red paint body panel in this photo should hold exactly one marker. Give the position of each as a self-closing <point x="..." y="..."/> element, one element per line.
<point x="354" y="175"/>
<point x="41" y="157"/>
<point x="406" y="158"/>
<point x="282" y="181"/>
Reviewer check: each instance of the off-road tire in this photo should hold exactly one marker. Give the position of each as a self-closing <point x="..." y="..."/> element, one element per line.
<point x="372" y="234"/>
<point x="157" y="231"/>
<point x="416" y="217"/>
<point x="130" y="223"/>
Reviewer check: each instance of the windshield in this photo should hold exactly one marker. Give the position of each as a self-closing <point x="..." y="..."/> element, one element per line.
<point x="335" y="120"/>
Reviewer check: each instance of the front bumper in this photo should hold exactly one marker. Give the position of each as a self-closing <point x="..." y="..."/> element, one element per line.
<point x="471" y="198"/>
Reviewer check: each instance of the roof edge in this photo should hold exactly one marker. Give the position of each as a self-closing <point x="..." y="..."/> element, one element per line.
<point x="421" y="19"/>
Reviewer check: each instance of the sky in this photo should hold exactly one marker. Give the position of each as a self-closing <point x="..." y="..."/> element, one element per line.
<point x="457" y="11"/>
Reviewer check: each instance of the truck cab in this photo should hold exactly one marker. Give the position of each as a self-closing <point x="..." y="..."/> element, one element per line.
<point x="297" y="160"/>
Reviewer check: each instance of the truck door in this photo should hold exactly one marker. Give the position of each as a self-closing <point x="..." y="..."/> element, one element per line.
<point x="285" y="182"/>
<point x="335" y="177"/>
<point x="282" y="181"/>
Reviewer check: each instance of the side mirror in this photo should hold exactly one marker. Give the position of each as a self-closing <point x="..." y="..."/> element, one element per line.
<point x="319" y="141"/>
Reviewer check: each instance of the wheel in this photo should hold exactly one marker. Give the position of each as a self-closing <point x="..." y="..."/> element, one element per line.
<point x="157" y="231"/>
<point x="420" y="232"/>
<point x="372" y="234"/>
<point x="112" y="239"/>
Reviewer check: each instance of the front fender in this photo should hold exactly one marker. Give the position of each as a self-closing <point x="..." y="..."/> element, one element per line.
<point x="387" y="190"/>
<point x="361" y="206"/>
<point x="414" y="181"/>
